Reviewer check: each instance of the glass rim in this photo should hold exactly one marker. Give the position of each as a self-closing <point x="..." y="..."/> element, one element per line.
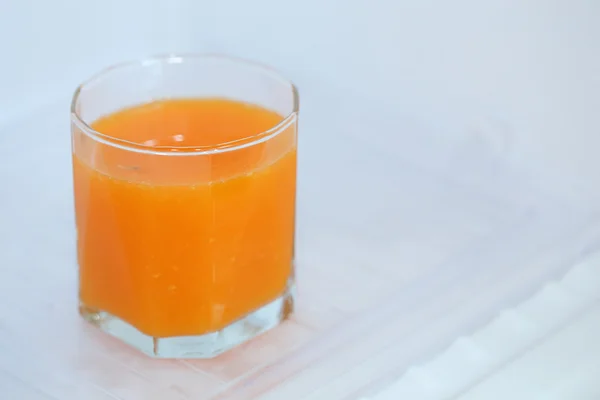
<point x="177" y="58"/>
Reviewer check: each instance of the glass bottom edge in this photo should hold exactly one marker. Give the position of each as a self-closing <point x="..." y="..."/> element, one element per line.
<point x="208" y="345"/>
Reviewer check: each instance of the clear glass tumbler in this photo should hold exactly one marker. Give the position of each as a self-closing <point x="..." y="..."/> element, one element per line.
<point x="184" y="173"/>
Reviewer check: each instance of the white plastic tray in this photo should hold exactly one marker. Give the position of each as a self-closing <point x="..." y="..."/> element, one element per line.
<point x="396" y="261"/>
<point x="434" y="191"/>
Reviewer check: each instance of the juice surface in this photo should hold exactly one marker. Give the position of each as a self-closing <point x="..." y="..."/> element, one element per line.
<point x="185" y="245"/>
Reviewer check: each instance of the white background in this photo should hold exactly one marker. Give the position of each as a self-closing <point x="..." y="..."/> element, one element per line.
<point x="533" y="65"/>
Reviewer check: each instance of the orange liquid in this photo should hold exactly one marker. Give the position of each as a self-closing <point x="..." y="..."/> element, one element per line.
<point x="185" y="245"/>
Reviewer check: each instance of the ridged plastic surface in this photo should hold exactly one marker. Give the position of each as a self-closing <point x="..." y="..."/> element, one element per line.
<point x="545" y="347"/>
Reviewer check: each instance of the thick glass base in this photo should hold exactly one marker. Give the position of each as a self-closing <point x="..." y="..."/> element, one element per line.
<point x="208" y="345"/>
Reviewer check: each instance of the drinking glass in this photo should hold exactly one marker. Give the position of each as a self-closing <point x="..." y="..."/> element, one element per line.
<point x="185" y="251"/>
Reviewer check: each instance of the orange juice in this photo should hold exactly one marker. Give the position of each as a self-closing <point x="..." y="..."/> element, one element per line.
<point x="179" y="243"/>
